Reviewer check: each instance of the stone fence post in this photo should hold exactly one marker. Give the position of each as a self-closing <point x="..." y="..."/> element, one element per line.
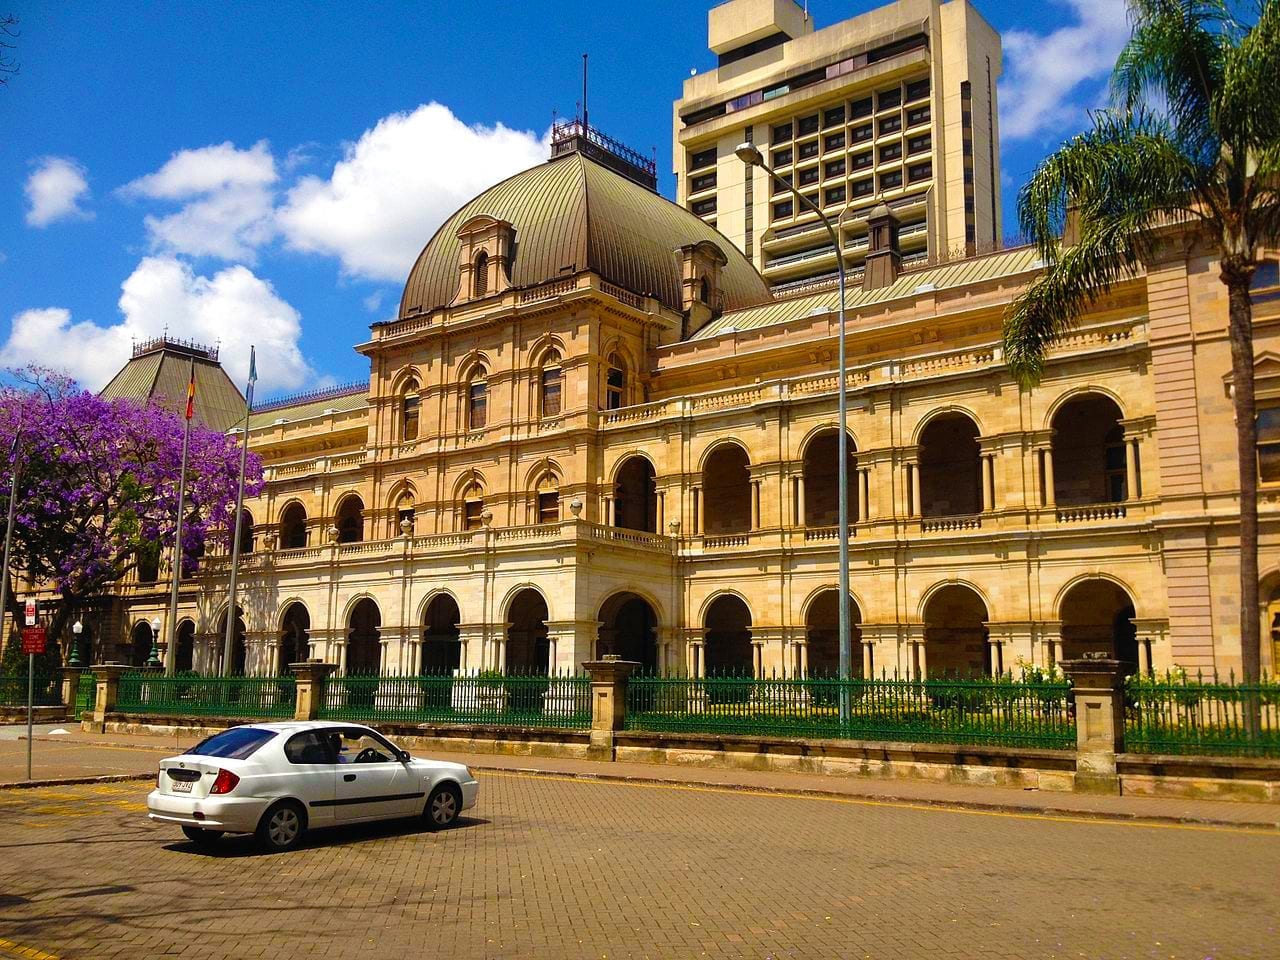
<point x="608" y="702"/>
<point x="107" y="677"/>
<point x="1097" y="687"/>
<point x="309" y="677"/>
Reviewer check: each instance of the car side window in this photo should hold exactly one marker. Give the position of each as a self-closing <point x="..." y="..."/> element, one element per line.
<point x="308" y="747"/>
<point x="360" y="747"/>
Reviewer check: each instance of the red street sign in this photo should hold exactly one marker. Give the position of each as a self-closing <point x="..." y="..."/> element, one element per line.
<point x="33" y="640"/>
<point x="30" y="612"/>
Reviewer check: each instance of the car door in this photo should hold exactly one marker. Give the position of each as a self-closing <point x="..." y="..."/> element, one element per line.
<point x="371" y="782"/>
<point x="312" y="773"/>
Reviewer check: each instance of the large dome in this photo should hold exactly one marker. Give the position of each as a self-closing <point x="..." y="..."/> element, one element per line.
<point x="572" y="214"/>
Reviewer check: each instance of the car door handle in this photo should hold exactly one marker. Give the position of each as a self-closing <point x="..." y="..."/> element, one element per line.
<point x="348" y="777"/>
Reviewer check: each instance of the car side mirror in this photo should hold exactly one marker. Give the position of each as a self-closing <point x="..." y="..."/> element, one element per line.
<point x="404" y="756"/>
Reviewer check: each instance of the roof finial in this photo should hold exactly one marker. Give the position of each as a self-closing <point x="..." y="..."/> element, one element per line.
<point x="585" y="122"/>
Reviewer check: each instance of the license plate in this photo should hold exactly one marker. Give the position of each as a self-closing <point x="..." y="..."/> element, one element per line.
<point x="181" y="786"/>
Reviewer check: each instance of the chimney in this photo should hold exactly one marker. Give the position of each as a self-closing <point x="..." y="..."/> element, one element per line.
<point x="884" y="259"/>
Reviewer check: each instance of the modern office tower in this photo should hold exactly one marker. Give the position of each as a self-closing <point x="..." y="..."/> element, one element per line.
<point x="897" y="105"/>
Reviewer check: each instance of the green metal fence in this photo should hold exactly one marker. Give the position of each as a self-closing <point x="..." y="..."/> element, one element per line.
<point x="13" y="691"/>
<point x="86" y="694"/>
<point x="207" y="696"/>
<point x="1177" y="714"/>
<point x="501" y="700"/>
<point x="998" y="711"/>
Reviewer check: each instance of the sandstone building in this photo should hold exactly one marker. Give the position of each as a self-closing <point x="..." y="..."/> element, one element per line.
<point x="593" y="427"/>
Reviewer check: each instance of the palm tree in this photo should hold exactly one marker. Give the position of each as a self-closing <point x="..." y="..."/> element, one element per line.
<point x="1190" y="141"/>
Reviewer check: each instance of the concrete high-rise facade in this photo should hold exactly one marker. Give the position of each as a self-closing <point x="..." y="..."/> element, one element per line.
<point x="897" y="105"/>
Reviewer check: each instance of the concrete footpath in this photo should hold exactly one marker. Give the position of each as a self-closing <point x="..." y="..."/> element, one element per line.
<point x="77" y="755"/>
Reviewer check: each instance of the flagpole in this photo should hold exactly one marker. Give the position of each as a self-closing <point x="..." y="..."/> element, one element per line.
<point x="229" y="640"/>
<point x="171" y="653"/>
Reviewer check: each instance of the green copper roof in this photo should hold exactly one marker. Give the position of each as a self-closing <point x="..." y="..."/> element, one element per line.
<point x="163" y="373"/>
<point x="354" y="399"/>
<point x="572" y="214"/>
<point x="958" y="274"/>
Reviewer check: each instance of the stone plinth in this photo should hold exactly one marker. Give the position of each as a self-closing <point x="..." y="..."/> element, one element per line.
<point x="309" y="677"/>
<point x="1097" y="688"/>
<point x="608" y="702"/>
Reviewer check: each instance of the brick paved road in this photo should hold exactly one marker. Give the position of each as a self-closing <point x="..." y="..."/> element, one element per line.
<point x="552" y="868"/>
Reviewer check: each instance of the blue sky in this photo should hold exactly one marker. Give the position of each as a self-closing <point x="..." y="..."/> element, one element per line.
<point x="267" y="172"/>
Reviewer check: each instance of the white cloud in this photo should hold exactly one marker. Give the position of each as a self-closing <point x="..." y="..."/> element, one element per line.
<point x="54" y="191"/>
<point x="163" y="294"/>
<point x="1047" y="76"/>
<point x="397" y="184"/>
<point x="373" y="302"/>
<point x="227" y="197"/>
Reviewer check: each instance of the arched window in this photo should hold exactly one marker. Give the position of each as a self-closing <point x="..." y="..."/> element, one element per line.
<point x="350" y="520"/>
<point x="148" y="562"/>
<point x="473" y="507"/>
<point x="404" y="511"/>
<point x="246" y="531"/>
<point x="552" y="386"/>
<point x="409" y="414"/>
<point x="293" y="527"/>
<point x="548" y="499"/>
<point x="480" y="275"/>
<point x="615" y="383"/>
<point x="478" y="402"/>
<point x="704" y="291"/>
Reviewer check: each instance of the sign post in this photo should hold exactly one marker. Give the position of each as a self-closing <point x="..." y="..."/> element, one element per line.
<point x="32" y="643"/>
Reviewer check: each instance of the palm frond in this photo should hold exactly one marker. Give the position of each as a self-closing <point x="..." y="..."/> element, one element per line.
<point x="1120" y="180"/>
<point x="1173" y="62"/>
<point x="1248" y="102"/>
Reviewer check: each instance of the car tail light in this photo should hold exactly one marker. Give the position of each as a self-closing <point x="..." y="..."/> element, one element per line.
<point x="225" y="782"/>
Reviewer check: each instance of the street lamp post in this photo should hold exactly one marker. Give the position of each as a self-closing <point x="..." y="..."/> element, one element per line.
<point x="77" y="629"/>
<point x="750" y="154"/>
<point x="154" y="659"/>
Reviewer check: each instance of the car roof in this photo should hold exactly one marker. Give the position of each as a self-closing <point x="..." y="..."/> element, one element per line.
<point x="296" y="725"/>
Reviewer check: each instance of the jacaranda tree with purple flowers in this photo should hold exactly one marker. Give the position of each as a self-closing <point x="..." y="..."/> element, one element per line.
<point x="98" y="490"/>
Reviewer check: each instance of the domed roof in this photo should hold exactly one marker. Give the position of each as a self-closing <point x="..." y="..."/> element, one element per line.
<point x="572" y="214"/>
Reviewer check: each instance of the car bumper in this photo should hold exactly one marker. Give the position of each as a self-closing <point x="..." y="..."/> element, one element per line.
<point x="470" y="793"/>
<point x="232" y="814"/>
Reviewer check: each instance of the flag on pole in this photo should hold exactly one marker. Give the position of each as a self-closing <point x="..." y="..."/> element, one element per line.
<point x="253" y="367"/>
<point x="191" y="393"/>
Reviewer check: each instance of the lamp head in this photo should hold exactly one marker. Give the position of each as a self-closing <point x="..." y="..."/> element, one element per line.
<point x="749" y="154"/>
<point x="77" y="628"/>
<point x="155" y="625"/>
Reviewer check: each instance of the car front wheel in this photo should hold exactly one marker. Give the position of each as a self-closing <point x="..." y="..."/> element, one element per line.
<point x="282" y="826"/>
<point x="202" y="837"/>
<point x="443" y="806"/>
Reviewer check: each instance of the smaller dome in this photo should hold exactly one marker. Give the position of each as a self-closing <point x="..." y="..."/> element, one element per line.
<point x="572" y="214"/>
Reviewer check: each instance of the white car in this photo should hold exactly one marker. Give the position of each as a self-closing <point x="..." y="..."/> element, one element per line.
<point x="278" y="780"/>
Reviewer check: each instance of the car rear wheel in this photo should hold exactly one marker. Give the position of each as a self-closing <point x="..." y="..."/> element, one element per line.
<point x="443" y="806"/>
<point x="202" y="837"/>
<point x="282" y="826"/>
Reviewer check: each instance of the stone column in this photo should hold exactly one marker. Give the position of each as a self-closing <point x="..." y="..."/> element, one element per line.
<point x="913" y="475"/>
<point x="696" y="660"/>
<point x="1153" y="643"/>
<point x="107" y="676"/>
<point x="70" y="687"/>
<point x="868" y="659"/>
<point x="864" y="495"/>
<point x="608" y="703"/>
<point x="1097" y="689"/>
<point x="1050" y="499"/>
<point x="800" y="501"/>
<point x="1131" y="468"/>
<point x="310" y="677"/>
<point x="697" y="511"/>
<point x="755" y="504"/>
<point x="471" y="636"/>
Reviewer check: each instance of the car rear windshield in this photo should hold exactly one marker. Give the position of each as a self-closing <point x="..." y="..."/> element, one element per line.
<point x="238" y="743"/>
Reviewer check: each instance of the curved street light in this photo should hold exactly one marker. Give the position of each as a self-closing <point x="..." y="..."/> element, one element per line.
<point x="750" y="154"/>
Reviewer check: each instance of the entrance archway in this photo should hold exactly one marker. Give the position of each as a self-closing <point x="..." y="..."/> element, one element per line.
<point x="950" y="468"/>
<point x="185" y="652"/>
<point x="635" y="506"/>
<point x="295" y="637"/>
<point x="822" y="480"/>
<point x="1097" y="617"/>
<point x="728" y="638"/>
<point x="140" y="640"/>
<point x="726" y="491"/>
<point x="528" y="650"/>
<point x="441" y="646"/>
<point x="1088" y="452"/>
<point x="363" y="647"/>
<point x="822" y="631"/>
<point x="955" y="634"/>
<point x="239" y="648"/>
<point x="627" y="628"/>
